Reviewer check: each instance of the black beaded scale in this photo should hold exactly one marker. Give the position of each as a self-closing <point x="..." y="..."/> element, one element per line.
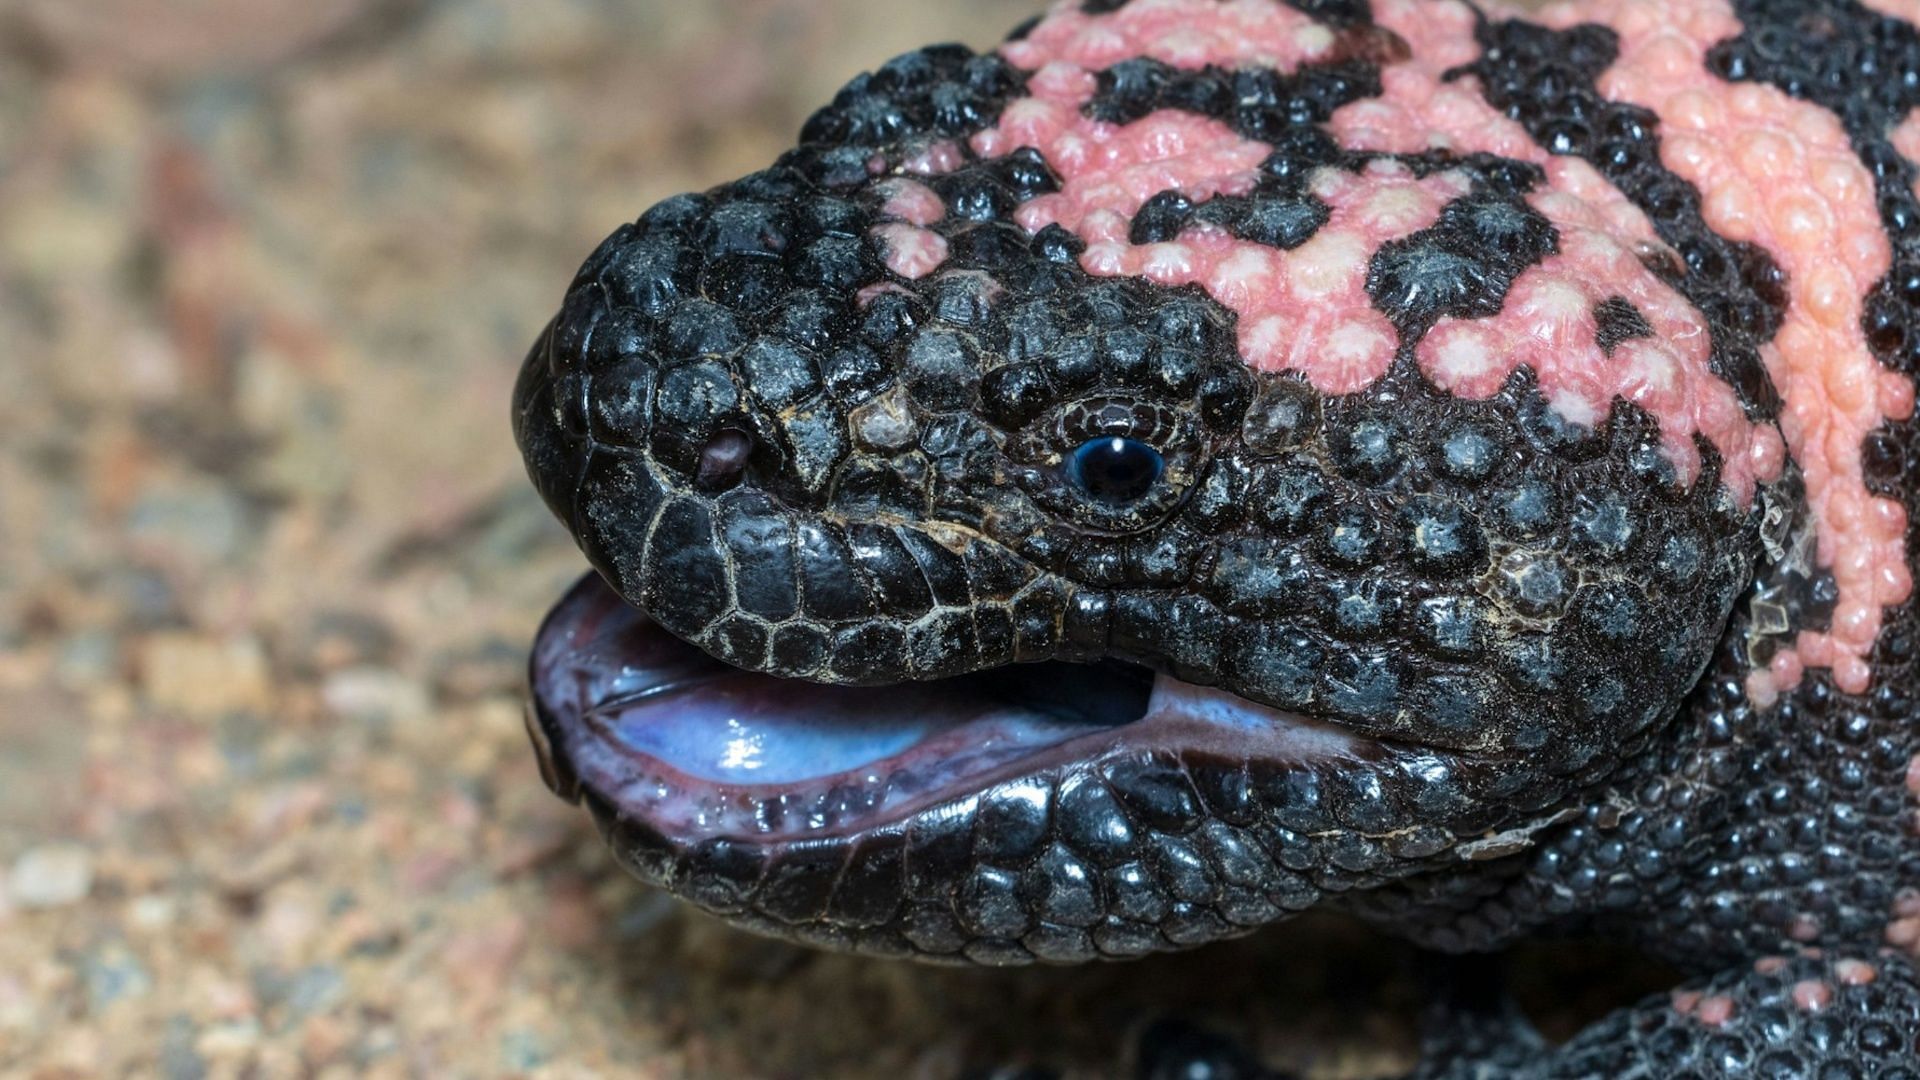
<point x="1533" y="634"/>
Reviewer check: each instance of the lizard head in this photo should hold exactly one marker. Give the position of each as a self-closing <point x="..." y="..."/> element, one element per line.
<point x="959" y="600"/>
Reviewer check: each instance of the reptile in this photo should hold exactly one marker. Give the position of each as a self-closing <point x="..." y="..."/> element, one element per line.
<point x="1205" y="460"/>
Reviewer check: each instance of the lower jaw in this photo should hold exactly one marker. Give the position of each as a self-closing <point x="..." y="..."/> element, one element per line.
<point x="987" y="833"/>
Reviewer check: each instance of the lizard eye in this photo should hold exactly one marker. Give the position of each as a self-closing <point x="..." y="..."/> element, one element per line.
<point x="1116" y="471"/>
<point x="1109" y="464"/>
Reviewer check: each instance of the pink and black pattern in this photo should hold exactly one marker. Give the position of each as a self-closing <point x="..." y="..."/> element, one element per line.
<point x="1213" y="458"/>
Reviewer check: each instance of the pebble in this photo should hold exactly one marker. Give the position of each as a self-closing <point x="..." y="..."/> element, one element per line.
<point x="523" y="1051"/>
<point x="200" y="524"/>
<point x="85" y="657"/>
<point x="314" y="989"/>
<point x="204" y="677"/>
<point x="178" y="1059"/>
<point x="51" y="876"/>
<point x="17" y="1011"/>
<point x="113" y="974"/>
<point x="375" y="695"/>
<point x="228" y="1040"/>
<point x="153" y="913"/>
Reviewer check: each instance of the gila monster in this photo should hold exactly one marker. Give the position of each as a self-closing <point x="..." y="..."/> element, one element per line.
<point x="1210" y="459"/>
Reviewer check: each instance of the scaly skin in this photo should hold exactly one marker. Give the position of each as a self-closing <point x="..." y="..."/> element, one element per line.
<point x="1454" y="465"/>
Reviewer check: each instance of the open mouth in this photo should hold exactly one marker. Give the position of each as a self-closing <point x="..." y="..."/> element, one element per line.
<point x="698" y="750"/>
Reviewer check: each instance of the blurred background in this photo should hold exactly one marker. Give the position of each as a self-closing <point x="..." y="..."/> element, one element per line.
<point x="269" y="564"/>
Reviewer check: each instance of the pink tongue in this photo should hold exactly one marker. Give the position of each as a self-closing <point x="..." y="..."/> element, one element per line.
<point x="743" y="728"/>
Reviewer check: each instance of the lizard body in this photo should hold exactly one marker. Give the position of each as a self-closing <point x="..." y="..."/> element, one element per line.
<point x="1214" y="458"/>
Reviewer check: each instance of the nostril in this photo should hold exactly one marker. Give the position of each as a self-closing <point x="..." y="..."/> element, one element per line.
<point x="723" y="459"/>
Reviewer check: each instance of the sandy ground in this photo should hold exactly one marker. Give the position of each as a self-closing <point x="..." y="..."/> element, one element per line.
<point x="268" y="565"/>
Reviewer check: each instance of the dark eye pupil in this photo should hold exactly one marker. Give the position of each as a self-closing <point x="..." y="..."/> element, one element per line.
<point x="1116" y="471"/>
